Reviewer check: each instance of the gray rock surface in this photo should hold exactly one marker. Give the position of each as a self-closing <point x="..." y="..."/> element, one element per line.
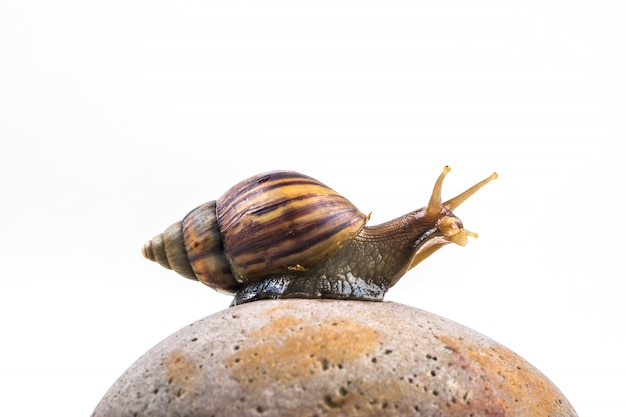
<point x="330" y="358"/>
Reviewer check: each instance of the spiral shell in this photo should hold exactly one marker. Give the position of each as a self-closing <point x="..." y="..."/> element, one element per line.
<point x="268" y="224"/>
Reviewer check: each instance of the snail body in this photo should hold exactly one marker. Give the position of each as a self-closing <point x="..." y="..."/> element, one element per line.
<point x="283" y="235"/>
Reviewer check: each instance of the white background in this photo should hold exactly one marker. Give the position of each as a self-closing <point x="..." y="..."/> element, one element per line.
<point x="118" y="117"/>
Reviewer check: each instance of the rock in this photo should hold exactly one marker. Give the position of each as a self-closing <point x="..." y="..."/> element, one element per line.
<point x="322" y="357"/>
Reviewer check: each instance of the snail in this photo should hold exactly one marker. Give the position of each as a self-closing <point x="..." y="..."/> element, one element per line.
<point x="283" y="234"/>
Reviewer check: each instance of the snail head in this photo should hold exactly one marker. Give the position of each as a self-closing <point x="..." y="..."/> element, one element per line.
<point x="449" y="228"/>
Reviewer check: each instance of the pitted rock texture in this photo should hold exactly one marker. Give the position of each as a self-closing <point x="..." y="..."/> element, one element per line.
<point x="330" y="358"/>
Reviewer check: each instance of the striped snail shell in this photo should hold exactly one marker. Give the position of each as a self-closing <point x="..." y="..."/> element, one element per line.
<point x="267" y="224"/>
<point x="283" y="234"/>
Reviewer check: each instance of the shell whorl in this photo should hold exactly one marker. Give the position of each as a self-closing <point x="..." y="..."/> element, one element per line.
<point x="168" y="250"/>
<point x="205" y="250"/>
<point x="283" y="220"/>
<point x="193" y="248"/>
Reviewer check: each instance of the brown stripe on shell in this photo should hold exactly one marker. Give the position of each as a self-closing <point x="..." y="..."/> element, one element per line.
<point x="263" y="190"/>
<point x="282" y="220"/>
<point x="292" y="253"/>
<point x="255" y="189"/>
<point x="203" y="243"/>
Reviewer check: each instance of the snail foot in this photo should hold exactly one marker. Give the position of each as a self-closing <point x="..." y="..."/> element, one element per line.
<point x="288" y="286"/>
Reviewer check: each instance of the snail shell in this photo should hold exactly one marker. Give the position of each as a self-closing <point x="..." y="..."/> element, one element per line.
<point x="283" y="234"/>
<point x="267" y="224"/>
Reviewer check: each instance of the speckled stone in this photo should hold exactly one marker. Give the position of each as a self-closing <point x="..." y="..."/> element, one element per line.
<point x="330" y="358"/>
